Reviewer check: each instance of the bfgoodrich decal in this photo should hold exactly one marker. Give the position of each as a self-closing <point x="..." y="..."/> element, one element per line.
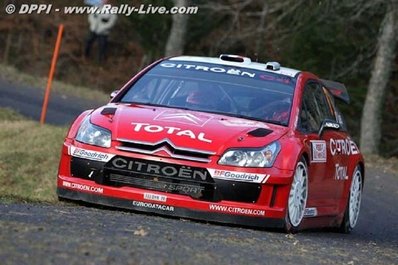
<point x="91" y="155"/>
<point x="238" y="176"/>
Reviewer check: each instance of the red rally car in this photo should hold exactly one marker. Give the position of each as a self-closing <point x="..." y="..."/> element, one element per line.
<point x="219" y="139"/>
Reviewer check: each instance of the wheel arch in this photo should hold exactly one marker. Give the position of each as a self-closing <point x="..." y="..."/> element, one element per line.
<point x="361" y="165"/>
<point x="306" y="157"/>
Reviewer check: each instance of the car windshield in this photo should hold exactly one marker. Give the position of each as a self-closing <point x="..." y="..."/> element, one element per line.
<point x="221" y="89"/>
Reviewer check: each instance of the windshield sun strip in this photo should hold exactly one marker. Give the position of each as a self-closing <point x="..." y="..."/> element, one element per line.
<point x="223" y="82"/>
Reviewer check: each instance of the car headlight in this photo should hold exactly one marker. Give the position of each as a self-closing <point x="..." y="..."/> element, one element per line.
<point x="92" y="134"/>
<point x="247" y="157"/>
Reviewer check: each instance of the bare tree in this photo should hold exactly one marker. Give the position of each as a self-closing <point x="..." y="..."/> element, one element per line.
<point x="247" y="21"/>
<point x="176" y="41"/>
<point x="371" y="116"/>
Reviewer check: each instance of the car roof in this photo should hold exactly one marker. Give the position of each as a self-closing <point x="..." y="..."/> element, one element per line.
<point x="247" y="63"/>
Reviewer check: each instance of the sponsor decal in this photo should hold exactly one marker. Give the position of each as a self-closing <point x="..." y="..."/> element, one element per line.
<point x="332" y="125"/>
<point x="82" y="187"/>
<point x="184" y="118"/>
<point x="281" y="79"/>
<point x="343" y="147"/>
<point x="155" y="197"/>
<point x="153" y="206"/>
<point x="161" y="185"/>
<point x="242" y="123"/>
<point x="236" y="210"/>
<point x="238" y="176"/>
<point x="318" y="151"/>
<point x="341" y="172"/>
<point x="354" y="148"/>
<point x="151" y="128"/>
<point x="310" y="212"/>
<point x="215" y="69"/>
<point x="88" y="154"/>
<point x="159" y="169"/>
<point x="180" y="188"/>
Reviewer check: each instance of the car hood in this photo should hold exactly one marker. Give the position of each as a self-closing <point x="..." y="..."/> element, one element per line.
<point x="183" y="128"/>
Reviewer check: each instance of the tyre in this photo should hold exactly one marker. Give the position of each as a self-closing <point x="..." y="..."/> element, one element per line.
<point x="351" y="213"/>
<point x="297" y="200"/>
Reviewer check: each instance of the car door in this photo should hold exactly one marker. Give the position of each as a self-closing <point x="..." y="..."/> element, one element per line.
<point x="322" y="184"/>
<point x="340" y="147"/>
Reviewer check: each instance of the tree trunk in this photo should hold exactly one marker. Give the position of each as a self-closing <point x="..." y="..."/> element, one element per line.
<point x="176" y="42"/>
<point x="7" y="47"/>
<point x="371" y="116"/>
<point x="261" y="31"/>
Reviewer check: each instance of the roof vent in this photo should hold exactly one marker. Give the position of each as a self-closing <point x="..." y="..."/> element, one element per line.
<point x="274" y="66"/>
<point x="235" y="58"/>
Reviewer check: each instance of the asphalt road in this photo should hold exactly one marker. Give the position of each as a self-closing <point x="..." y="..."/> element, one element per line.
<point x="75" y="234"/>
<point x="62" y="109"/>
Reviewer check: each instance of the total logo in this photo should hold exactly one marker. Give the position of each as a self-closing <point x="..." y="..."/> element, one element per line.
<point x="151" y="128"/>
<point x="341" y="173"/>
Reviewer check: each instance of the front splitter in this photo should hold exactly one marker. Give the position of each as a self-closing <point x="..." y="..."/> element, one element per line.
<point x="171" y="210"/>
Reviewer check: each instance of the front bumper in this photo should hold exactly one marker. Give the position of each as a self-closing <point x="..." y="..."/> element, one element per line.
<point x="171" y="210"/>
<point x="267" y="211"/>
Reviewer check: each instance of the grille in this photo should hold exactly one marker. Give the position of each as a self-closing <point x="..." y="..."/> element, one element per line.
<point x="195" y="190"/>
<point x="167" y="146"/>
<point x="192" y="181"/>
<point x="130" y="172"/>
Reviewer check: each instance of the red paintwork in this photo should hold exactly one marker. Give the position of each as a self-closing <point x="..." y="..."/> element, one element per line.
<point x="328" y="195"/>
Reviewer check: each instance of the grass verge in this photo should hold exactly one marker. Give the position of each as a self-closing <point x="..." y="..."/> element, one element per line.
<point x="29" y="157"/>
<point x="13" y="75"/>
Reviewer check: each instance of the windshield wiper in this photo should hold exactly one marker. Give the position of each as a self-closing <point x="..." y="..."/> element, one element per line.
<point x="258" y="119"/>
<point x="235" y="115"/>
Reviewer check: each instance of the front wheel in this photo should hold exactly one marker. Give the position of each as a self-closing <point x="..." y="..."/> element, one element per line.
<point x="297" y="197"/>
<point x="354" y="202"/>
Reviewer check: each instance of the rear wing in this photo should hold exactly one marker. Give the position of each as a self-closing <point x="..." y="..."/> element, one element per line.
<point x="337" y="89"/>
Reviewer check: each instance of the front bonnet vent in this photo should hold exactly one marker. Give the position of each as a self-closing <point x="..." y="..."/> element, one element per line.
<point x="260" y="132"/>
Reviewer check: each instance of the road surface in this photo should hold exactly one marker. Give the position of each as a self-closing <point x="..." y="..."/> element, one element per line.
<point x="62" y="109"/>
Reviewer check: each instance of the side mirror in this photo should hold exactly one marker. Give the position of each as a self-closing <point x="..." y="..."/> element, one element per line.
<point x="328" y="124"/>
<point x="114" y="93"/>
